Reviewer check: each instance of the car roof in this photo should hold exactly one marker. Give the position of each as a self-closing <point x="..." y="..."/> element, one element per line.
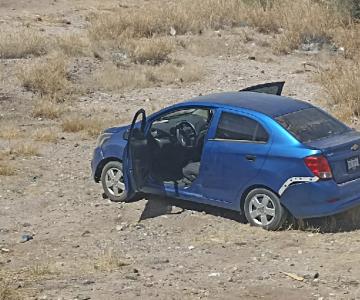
<point x="271" y="105"/>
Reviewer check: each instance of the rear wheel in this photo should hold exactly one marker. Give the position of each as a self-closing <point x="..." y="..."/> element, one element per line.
<point x="112" y="179"/>
<point x="263" y="209"/>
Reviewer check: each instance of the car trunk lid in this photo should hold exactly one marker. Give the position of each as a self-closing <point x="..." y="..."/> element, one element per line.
<point x="343" y="153"/>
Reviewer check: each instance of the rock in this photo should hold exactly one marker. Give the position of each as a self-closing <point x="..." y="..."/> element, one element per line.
<point x="160" y="261"/>
<point x="172" y="31"/>
<point x="26" y="224"/>
<point x="215" y="274"/>
<point x="251" y="58"/>
<point x="26" y="237"/>
<point x="85" y="233"/>
<point x="132" y="276"/>
<point x="5" y="250"/>
<point x="191" y="247"/>
<point x="121" y="227"/>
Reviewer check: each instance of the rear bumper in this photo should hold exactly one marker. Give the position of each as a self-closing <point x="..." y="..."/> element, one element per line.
<point x="98" y="156"/>
<point x="322" y="198"/>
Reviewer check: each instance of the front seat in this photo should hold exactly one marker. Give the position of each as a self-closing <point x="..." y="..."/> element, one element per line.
<point x="191" y="171"/>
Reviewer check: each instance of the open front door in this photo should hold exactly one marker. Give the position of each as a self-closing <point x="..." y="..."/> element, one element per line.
<point x="274" y="88"/>
<point x="137" y="152"/>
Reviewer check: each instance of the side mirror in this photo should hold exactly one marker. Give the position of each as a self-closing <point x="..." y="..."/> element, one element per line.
<point x="126" y="134"/>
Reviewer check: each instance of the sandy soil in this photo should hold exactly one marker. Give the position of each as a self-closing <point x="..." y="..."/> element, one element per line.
<point x="85" y="247"/>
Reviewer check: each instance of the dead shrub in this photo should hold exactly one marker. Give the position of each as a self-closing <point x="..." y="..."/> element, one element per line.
<point x="111" y="77"/>
<point x="72" y="45"/>
<point x="299" y="22"/>
<point x="304" y="22"/>
<point x="349" y="40"/>
<point x="6" y="169"/>
<point x="45" y="135"/>
<point x="48" y="109"/>
<point x="114" y="78"/>
<point x="170" y="73"/>
<point x="10" y="132"/>
<point x="109" y="261"/>
<point x="48" y="77"/>
<point x="21" y="43"/>
<point x="150" y="51"/>
<point x="25" y="149"/>
<point x="91" y="125"/>
<point x="342" y="83"/>
<point x="7" y="292"/>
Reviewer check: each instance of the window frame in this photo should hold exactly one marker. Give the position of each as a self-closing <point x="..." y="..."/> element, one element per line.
<point x="243" y="115"/>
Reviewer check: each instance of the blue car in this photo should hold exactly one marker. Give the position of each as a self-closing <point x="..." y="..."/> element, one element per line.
<point x="253" y="151"/>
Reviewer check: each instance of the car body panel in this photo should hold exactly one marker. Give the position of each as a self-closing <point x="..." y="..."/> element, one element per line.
<point x="225" y="171"/>
<point x="221" y="182"/>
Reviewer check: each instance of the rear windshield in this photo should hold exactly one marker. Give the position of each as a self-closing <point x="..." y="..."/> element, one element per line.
<point x="311" y="124"/>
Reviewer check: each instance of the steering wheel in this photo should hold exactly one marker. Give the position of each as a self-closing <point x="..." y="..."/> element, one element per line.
<point x="186" y="134"/>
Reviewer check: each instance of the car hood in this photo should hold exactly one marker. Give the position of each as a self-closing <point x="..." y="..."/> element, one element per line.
<point x="117" y="129"/>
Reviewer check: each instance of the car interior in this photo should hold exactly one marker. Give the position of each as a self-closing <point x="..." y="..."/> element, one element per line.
<point x="176" y="142"/>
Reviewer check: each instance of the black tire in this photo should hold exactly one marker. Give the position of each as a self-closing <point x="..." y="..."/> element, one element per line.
<point x="114" y="193"/>
<point x="263" y="209"/>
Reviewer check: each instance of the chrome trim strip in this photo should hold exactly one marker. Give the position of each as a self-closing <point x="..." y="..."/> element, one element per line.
<point x="236" y="141"/>
<point x="292" y="180"/>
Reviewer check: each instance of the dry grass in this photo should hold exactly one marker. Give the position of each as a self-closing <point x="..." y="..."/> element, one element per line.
<point x="184" y="16"/>
<point x="91" y="125"/>
<point x="45" y="135"/>
<point x="48" y="77"/>
<point x="73" y="45"/>
<point x="25" y="149"/>
<point x="109" y="261"/>
<point x="114" y="78"/>
<point x="342" y="83"/>
<point x="48" y="109"/>
<point x="111" y="77"/>
<point x="152" y="51"/>
<point x="8" y="293"/>
<point x="21" y="43"/>
<point x="6" y="169"/>
<point x="38" y="271"/>
<point x="349" y="39"/>
<point x="10" y="132"/>
<point x="300" y="21"/>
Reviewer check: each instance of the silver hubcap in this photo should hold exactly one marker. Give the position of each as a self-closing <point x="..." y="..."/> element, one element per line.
<point x="262" y="209"/>
<point x="115" y="182"/>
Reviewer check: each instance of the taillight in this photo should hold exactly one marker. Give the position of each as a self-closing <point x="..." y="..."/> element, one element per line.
<point x="319" y="166"/>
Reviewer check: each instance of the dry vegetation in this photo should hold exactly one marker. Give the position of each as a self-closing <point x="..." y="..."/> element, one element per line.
<point x="109" y="261"/>
<point x="92" y="126"/>
<point x="342" y="83"/>
<point x="47" y="108"/>
<point x="47" y="77"/>
<point x="21" y="43"/>
<point x="25" y="149"/>
<point x="45" y="135"/>
<point x="113" y="78"/>
<point x="8" y="293"/>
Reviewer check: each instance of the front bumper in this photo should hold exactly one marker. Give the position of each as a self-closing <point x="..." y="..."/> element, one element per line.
<point x="322" y="198"/>
<point x="98" y="156"/>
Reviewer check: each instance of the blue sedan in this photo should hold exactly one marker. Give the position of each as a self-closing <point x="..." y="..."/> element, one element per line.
<point x="253" y="151"/>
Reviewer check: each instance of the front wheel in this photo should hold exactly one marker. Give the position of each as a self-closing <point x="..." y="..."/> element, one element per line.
<point x="112" y="179"/>
<point x="263" y="209"/>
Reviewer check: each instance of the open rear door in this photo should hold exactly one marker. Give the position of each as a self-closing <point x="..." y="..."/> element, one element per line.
<point x="138" y="156"/>
<point x="274" y="88"/>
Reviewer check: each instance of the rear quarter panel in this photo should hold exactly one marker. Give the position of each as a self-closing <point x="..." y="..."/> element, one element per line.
<point x="285" y="159"/>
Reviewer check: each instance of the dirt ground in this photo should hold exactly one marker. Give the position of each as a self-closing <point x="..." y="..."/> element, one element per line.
<point x="85" y="247"/>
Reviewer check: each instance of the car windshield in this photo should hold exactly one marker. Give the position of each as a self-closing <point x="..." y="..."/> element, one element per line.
<point x="311" y="124"/>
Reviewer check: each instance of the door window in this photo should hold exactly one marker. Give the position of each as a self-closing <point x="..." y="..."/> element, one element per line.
<point x="240" y="128"/>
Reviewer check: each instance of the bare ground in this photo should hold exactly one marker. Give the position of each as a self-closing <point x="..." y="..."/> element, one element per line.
<point x="85" y="247"/>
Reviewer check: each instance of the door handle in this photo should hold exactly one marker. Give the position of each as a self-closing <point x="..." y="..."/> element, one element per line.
<point x="250" y="157"/>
